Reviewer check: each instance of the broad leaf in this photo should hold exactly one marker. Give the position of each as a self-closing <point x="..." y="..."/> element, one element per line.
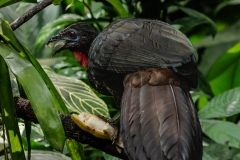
<point x="208" y="157"/>
<point x="222" y="132"/>
<point x="223" y="105"/>
<point x="216" y="151"/>
<point x="78" y="96"/>
<point x="10" y="38"/>
<point x="225" y="69"/>
<point x="208" y="58"/>
<point x="38" y="95"/>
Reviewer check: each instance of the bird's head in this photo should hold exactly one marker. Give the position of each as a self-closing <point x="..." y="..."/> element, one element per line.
<point x="78" y="39"/>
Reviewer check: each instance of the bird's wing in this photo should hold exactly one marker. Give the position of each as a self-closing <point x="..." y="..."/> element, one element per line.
<point x="159" y="121"/>
<point x="130" y="45"/>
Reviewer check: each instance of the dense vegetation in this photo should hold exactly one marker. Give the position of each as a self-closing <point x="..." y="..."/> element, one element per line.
<point x="213" y="27"/>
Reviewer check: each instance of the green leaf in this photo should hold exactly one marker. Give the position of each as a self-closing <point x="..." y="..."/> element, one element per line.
<point x="4" y="3"/>
<point x="38" y="95"/>
<point x="109" y="157"/>
<point x="231" y="56"/>
<point x="222" y="132"/>
<point x="8" y="113"/>
<point x="223" y="105"/>
<point x="119" y="7"/>
<point x="78" y="96"/>
<point x="226" y="36"/>
<point x="216" y="151"/>
<point x="236" y="157"/>
<point x="197" y="15"/>
<point x="224" y="4"/>
<point x="197" y="94"/>
<point x="225" y="68"/>
<point x="35" y="145"/>
<point x="208" y="59"/>
<point x="6" y="31"/>
<point x="204" y="85"/>
<point x="208" y="157"/>
<point x="188" y="23"/>
<point x="28" y="32"/>
<point x="56" y="2"/>
<point x="75" y="149"/>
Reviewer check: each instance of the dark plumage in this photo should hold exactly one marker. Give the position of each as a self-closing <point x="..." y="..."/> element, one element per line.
<point x="149" y="67"/>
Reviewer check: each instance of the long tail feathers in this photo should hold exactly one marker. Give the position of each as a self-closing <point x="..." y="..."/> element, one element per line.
<point x="159" y="123"/>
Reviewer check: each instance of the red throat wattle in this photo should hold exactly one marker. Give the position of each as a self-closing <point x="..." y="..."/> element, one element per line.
<point x="81" y="57"/>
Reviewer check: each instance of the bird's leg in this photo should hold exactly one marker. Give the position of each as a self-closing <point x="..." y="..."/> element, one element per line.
<point x="115" y="123"/>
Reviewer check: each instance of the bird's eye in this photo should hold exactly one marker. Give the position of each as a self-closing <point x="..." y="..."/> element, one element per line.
<point x="72" y="34"/>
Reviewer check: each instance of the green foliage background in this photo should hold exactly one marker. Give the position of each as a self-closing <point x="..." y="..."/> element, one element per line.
<point x="213" y="27"/>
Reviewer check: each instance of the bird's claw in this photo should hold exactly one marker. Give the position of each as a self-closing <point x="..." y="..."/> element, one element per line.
<point x="115" y="123"/>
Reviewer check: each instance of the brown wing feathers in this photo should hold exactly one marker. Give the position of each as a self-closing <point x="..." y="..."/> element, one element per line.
<point x="130" y="115"/>
<point x="158" y="118"/>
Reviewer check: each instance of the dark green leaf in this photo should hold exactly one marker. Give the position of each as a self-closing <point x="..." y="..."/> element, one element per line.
<point x="56" y="2"/>
<point x="8" y="113"/>
<point x="204" y="85"/>
<point x="6" y="31"/>
<point x="188" y="23"/>
<point x="223" y="105"/>
<point x="109" y="157"/>
<point x="38" y="95"/>
<point x="119" y="7"/>
<point x="224" y="4"/>
<point x="197" y="15"/>
<point x="28" y="134"/>
<point x="77" y="95"/>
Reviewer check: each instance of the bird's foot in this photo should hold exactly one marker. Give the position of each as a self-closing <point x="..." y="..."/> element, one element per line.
<point x="115" y="123"/>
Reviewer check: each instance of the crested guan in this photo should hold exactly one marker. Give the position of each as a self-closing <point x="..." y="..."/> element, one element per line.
<point x="149" y="67"/>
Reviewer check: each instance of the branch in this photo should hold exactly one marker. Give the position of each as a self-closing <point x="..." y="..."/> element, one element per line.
<point x="25" y="111"/>
<point x="29" y="14"/>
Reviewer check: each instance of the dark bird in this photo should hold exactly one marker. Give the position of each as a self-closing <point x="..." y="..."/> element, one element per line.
<point x="149" y="67"/>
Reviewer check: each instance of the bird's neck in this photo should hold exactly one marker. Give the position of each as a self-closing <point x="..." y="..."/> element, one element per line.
<point x="82" y="57"/>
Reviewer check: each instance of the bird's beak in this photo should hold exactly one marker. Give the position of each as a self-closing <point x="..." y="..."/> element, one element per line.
<point x="54" y="38"/>
<point x="57" y="38"/>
